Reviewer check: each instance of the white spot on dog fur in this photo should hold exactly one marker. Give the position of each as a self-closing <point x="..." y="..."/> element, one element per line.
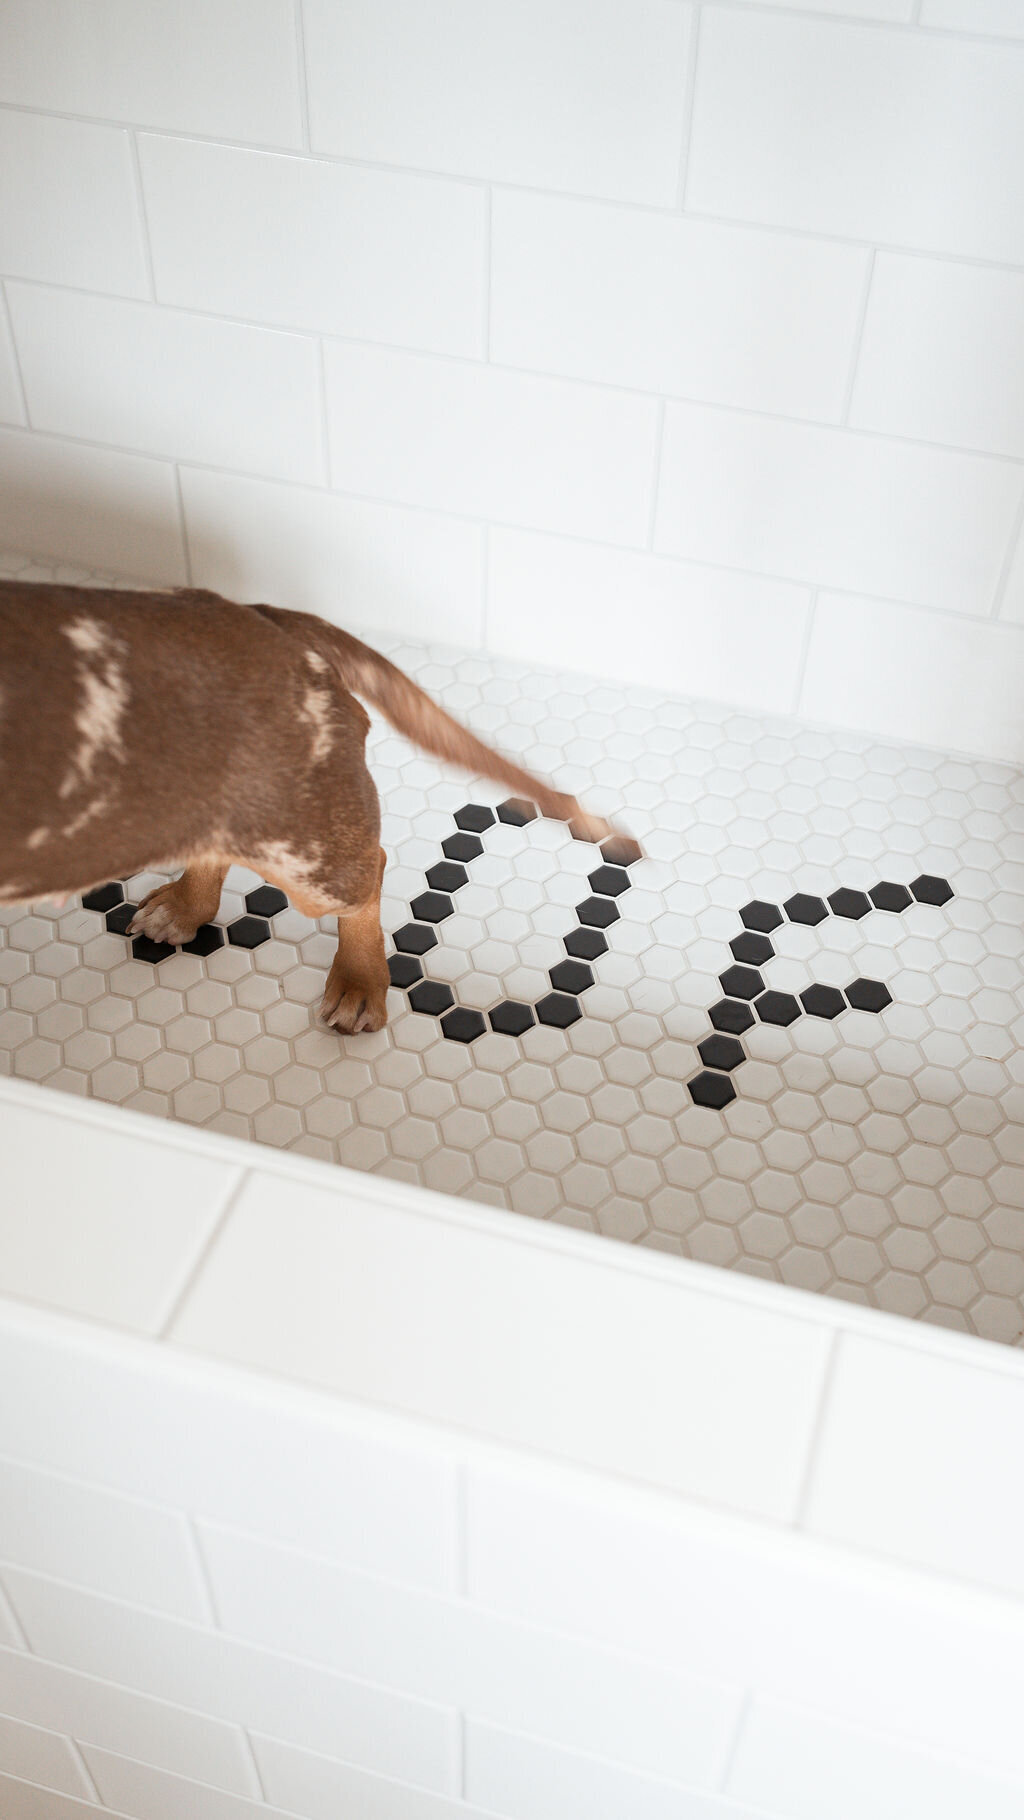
<point x="316" y="662"/>
<point x="38" y="837"/>
<point x="301" y="869"/>
<point x="316" y="708"/>
<point x="104" y="699"/>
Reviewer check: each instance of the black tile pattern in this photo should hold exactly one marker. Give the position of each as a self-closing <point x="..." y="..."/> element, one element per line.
<point x="248" y="931"/>
<point x="732" y="1015"/>
<point x="558" y="1008"/>
<point x="266" y="900"/>
<point x="103" y="898"/>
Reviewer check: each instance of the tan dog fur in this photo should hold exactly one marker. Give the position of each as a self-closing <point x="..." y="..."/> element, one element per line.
<point x="140" y="731"/>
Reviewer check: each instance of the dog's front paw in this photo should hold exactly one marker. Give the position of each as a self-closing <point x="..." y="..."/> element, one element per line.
<point x="353" y="1004"/>
<point x="165" y="915"/>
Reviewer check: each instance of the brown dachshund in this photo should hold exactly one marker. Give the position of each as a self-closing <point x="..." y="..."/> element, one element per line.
<point x="143" y="731"/>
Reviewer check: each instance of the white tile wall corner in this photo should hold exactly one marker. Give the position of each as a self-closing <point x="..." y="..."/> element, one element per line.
<point x="476" y="440"/>
<point x="119" y="1249"/>
<point x="727" y="636"/>
<point x="856" y="512"/>
<point x="939" y="358"/>
<point x="802" y="1765"/>
<point x="166" y="382"/>
<point x="307" y="244"/>
<point x="870" y="664"/>
<point x="68" y="206"/>
<point x="844" y="130"/>
<point x="299" y="1291"/>
<point x="727" y="315"/>
<point x="570" y="96"/>
<point x="89" y="504"/>
<point x="201" y="66"/>
<point x="382" y="568"/>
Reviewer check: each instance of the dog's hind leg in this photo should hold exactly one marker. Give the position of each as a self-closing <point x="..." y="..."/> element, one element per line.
<point x="173" y="913"/>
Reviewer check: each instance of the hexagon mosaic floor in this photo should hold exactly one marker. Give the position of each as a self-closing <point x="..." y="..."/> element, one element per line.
<point x="827" y="927"/>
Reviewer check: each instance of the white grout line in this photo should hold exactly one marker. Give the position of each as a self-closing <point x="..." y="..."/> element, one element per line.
<point x="303" y="74"/>
<point x="7" y="1608"/>
<point x="817" y="1431"/>
<point x="140" y="198"/>
<point x="720" y="1780"/>
<point x="195" y="1269"/>
<point x="183" y="525"/>
<point x="83" y="1768"/>
<point x="488" y="275"/>
<point x="261" y="1793"/>
<point x="689" y="108"/>
<point x="1016" y="538"/>
<point x="858" y="340"/>
<point x="805" y="649"/>
<point x="659" y="443"/>
<point x="19" y="377"/>
<point x="203" y="1571"/>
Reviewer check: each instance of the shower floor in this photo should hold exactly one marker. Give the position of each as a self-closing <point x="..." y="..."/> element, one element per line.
<point x="554" y="1033"/>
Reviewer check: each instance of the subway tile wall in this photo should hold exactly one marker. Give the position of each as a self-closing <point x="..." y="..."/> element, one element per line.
<point x="523" y="324"/>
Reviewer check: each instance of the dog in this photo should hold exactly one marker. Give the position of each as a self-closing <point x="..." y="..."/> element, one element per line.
<point x="146" y="730"/>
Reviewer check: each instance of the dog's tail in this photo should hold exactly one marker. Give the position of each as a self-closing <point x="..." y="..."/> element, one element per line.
<point x="412" y="712"/>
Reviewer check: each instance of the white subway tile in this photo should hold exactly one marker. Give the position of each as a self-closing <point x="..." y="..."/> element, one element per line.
<point x="104" y="510"/>
<point x="109" y="1544"/>
<point x="11" y="408"/>
<point x="470" y="439"/>
<point x="802" y="1765"/>
<point x="168" y="383"/>
<point x="295" y="241"/>
<point x="718" y="1597"/>
<point x="238" y="1453"/>
<point x="320" y="1788"/>
<point x="701" y="631"/>
<point x="40" y="1756"/>
<point x="561" y="94"/>
<point x="526" y="1779"/>
<point x="122" y="1248"/>
<point x="728" y="315"/>
<point x="940" y="358"/>
<point x="939" y="681"/>
<point x="92" y="1711"/>
<point x="889" y="1475"/>
<point x="68" y="209"/>
<point x="27" y="1801"/>
<point x="459" y="1298"/>
<point x="230" y="1681"/>
<point x="909" y="139"/>
<point x="204" y="66"/>
<point x="442" y="1649"/>
<point x="829" y="506"/>
<point x="380" y="568"/>
<point x="1003" y="18"/>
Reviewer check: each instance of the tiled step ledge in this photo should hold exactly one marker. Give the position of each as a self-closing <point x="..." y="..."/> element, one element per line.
<point x="477" y="1326"/>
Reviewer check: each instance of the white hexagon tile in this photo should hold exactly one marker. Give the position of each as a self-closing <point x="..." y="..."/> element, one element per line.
<point x="873" y="1146"/>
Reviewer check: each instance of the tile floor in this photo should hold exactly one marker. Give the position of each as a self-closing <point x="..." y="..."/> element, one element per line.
<point x="875" y="1154"/>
